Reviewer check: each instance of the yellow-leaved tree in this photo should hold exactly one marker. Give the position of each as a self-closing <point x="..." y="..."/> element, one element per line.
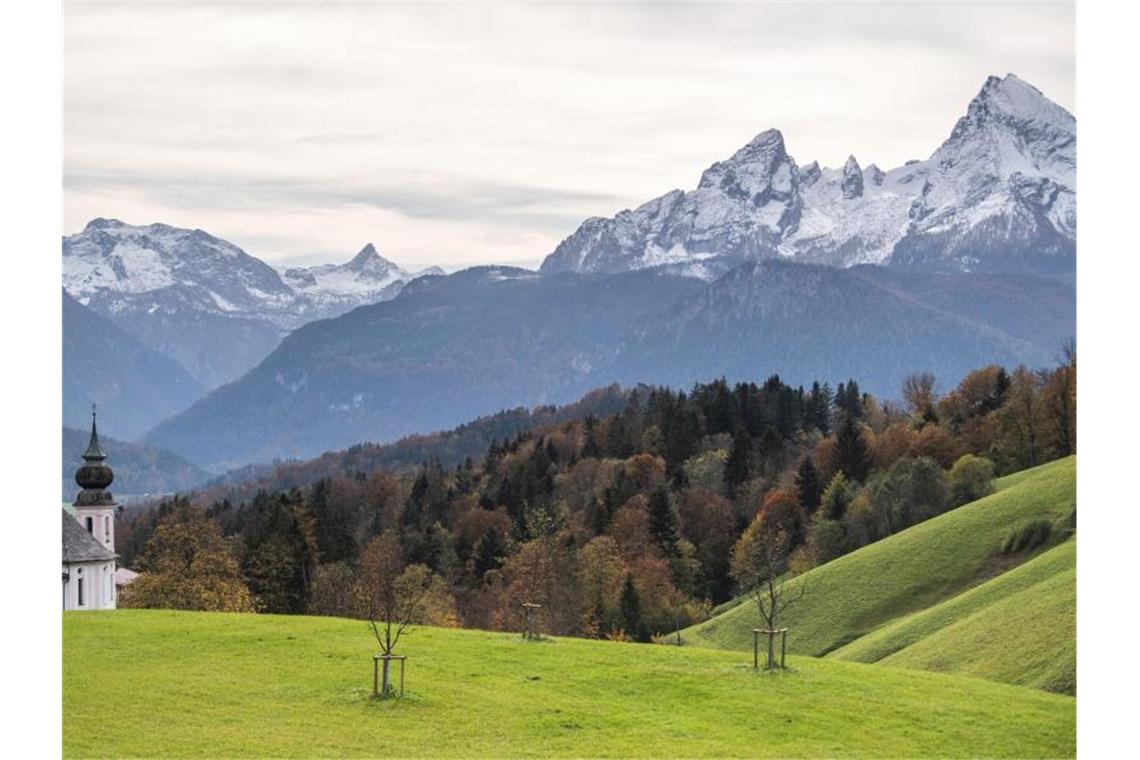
<point x="187" y="564"/>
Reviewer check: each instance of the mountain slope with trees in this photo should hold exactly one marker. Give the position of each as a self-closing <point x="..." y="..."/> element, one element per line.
<point x="635" y="523"/>
<point x="444" y="351"/>
<point x="449" y="349"/>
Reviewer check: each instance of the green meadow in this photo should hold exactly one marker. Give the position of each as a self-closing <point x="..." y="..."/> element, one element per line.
<point x="212" y="684"/>
<point x="929" y="643"/>
<point x="1020" y="627"/>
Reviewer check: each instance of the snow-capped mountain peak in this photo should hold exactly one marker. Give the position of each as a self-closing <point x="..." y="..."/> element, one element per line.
<point x="365" y="278"/>
<point x="171" y="287"/>
<point x="369" y="261"/>
<point x="852" y="184"/>
<point x="997" y="194"/>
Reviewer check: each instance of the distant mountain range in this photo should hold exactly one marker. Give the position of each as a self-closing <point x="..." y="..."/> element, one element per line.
<point x="964" y="259"/>
<point x="445" y="350"/>
<point x="998" y="195"/>
<point x="207" y="303"/>
<point x="448" y="349"/>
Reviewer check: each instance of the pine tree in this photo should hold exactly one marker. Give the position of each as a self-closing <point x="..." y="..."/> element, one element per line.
<point x="820" y="400"/>
<point x="837" y="497"/>
<point x="852" y="456"/>
<point x="808" y="485"/>
<point x="489" y="552"/>
<point x="590" y="449"/>
<point x="736" y="468"/>
<point x="663" y="520"/>
<point x="631" y="611"/>
<point x="849" y="400"/>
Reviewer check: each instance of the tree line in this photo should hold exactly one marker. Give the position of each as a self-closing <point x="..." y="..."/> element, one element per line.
<point x="623" y="525"/>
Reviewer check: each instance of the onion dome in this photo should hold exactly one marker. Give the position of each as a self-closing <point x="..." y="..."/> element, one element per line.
<point x="93" y="476"/>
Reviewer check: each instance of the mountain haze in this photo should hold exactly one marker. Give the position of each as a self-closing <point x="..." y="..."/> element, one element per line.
<point x="134" y="386"/>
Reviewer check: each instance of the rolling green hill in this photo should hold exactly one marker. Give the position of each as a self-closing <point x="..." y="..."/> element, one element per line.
<point x="909" y="571"/>
<point x="1019" y="627"/>
<point x="208" y="685"/>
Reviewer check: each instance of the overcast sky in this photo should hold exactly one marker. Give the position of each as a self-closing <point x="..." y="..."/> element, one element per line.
<point x="459" y="134"/>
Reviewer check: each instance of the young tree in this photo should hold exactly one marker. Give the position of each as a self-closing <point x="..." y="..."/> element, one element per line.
<point x="394" y="594"/>
<point x="759" y="559"/>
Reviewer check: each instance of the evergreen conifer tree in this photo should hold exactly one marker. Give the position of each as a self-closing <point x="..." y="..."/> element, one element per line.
<point x="631" y="611"/>
<point x="663" y="520"/>
<point x="852" y="456"/>
<point x="489" y="552"/>
<point x="736" y="468"/>
<point x="808" y="485"/>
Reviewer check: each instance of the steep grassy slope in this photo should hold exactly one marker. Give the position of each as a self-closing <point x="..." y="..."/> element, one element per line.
<point x="1019" y="628"/>
<point x="1028" y="639"/>
<point x="907" y="572"/>
<point x="195" y="684"/>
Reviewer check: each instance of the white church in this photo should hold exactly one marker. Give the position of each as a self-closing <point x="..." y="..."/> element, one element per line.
<point x="89" y="535"/>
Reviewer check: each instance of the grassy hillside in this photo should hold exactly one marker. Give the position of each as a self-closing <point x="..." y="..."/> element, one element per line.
<point x="907" y="572"/>
<point x="1028" y="639"/>
<point x="196" y="684"/>
<point x="1019" y="627"/>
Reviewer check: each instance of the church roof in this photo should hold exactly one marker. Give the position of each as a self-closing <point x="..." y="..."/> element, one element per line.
<point x="79" y="545"/>
<point x="94" y="476"/>
<point x="123" y="576"/>
<point x="94" y="451"/>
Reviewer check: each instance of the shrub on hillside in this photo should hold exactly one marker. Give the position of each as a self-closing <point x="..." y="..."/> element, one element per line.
<point x="1027" y="537"/>
<point x="911" y="491"/>
<point x="971" y="478"/>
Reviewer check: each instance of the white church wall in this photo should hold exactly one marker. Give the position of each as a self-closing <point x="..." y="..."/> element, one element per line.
<point x="97" y="581"/>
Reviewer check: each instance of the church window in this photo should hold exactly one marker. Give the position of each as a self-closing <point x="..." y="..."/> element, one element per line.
<point x="80" y="589"/>
<point x="107" y="528"/>
<point x="90" y="525"/>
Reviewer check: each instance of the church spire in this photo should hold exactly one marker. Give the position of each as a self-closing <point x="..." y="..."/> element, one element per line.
<point x="94" y="451"/>
<point x="94" y="476"/>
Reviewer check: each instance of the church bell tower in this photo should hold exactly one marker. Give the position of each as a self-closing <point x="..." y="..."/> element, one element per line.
<point x="94" y="505"/>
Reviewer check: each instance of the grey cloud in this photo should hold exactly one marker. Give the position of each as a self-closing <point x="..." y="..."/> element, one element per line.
<point x="466" y="200"/>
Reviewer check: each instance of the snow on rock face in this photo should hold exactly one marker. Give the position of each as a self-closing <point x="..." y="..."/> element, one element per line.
<point x="368" y="277"/>
<point x="852" y="184"/>
<point x="999" y="193"/>
<point x="119" y="268"/>
<point x="110" y="263"/>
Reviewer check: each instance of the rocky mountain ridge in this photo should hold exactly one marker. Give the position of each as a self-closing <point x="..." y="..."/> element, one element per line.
<point x="998" y="195"/>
